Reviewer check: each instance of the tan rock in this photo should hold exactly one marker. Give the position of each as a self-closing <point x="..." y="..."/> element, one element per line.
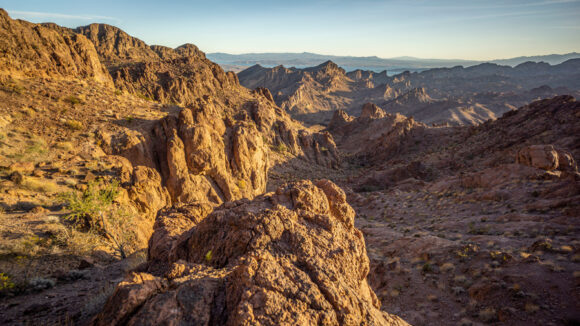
<point x="47" y="50"/>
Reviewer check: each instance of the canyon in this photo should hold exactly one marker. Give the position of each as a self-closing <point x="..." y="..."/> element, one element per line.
<point x="141" y="184"/>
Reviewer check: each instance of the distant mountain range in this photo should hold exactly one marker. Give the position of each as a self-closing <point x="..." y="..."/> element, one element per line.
<point x="455" y="95"/>
<point x="239" y="62"/>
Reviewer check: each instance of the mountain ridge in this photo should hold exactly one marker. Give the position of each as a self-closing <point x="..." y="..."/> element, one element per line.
<point x="395" y="64"/>
<point x="457" y="95"/>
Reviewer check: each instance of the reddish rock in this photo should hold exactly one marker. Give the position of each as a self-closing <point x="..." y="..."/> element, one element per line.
<point x="291" y="257"/>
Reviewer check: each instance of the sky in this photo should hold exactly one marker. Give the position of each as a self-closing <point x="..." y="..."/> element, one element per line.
<point x="446" y="29"/>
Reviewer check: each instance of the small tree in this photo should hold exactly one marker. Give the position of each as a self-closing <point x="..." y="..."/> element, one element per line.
<point x="94" y="209"/>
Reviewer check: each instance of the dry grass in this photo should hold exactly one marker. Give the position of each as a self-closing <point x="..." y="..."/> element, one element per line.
<point x="74" y="125"/>
<point x="39" y="185"/>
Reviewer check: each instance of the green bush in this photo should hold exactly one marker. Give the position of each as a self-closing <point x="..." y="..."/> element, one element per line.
<point x="280" y="148"/>
<point x="94" y="210"/>
<point x="6" y="283"/>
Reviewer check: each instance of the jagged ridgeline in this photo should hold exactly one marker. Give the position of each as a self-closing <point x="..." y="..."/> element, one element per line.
<point x="458" y="95"/>
<point x="216" y="148"/>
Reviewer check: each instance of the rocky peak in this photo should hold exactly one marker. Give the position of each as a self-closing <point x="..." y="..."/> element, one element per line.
<point x="327" y="68"/>
<point x="114" y="45"/>
<point x="339" y="118"/>
<point x="189" y="50"/>
<point x="371" y="111"/>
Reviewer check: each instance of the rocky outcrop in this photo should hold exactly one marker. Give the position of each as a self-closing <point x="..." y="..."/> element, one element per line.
<point x="181" y="75"/>
<point x="211" y="153"/>
<point x="204" y="158"/>
<point x="115" y="46"/>
<point x="217" y="148"/>
<point x="375" y="135"/>
<point x="292" y="257"/>
<point x="47" y="50"/>
<point x="339" y="119"/>
<point x="370" y="110"/>
<point x="546" y="157"/>
<point x="515" y="135"/>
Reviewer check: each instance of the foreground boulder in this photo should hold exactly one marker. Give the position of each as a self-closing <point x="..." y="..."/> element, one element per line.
<point x="292" y="257"/>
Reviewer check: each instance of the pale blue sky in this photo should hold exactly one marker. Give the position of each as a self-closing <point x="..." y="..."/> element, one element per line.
<point x="462" y="29"/>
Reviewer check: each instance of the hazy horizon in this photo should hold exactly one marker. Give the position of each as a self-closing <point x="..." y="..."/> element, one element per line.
<point x="451" y="29"/>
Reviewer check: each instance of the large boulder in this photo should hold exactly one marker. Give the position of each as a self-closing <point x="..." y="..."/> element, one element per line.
<point x="292" y="257"/>
<point x="546" y="157"/>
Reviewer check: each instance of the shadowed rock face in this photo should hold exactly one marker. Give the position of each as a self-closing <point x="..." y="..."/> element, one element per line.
<point x="292" y="257"/>
<point x="47" y="50"/>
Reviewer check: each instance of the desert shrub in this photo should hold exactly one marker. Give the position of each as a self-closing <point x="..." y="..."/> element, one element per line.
<point x="6" y="283"/>
<point x="280" y="148"/>
<point x="76" y="242"/>
<point x="74" y="124"/>
<point x="37" y="146"/>
<point x="144" y="97"/>
<point x="67" y="146"/>
<point x="95" y="211"/>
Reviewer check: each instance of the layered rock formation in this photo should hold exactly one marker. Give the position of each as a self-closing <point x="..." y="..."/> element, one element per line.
<point x="47" y="50"/>
<point x="287" y="258"/>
